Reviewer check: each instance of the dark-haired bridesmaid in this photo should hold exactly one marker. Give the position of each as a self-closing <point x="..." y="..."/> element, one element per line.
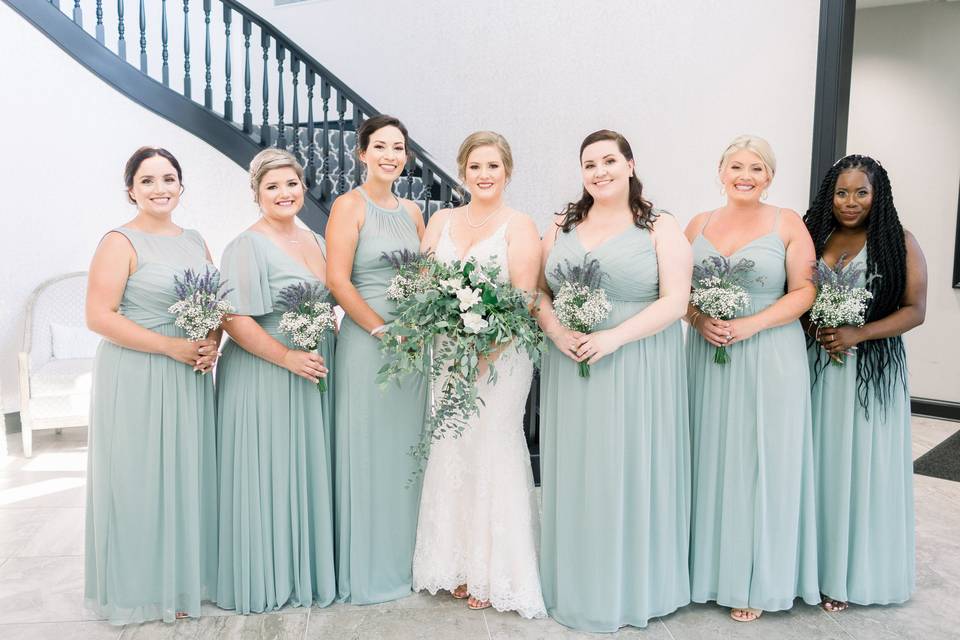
<point x="615" y="446"/>
<point x="151" y="530"/>
<point x="861" y="410"/>
<point x="273" y="425"/>
<point x="375" y="509"/>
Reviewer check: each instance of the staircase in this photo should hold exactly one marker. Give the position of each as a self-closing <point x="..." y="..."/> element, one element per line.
<point x="243" y="88"/>
<point x="254" y="89"/>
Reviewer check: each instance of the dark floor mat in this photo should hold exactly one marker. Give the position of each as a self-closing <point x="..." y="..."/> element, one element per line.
<point x="943" y="461"/>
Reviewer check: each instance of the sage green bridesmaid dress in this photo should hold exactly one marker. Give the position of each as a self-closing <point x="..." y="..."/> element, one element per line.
<point x="273" y="450"/>
<point x="615" y="458"/>
<point x="753" y="541"/>
<point x="151" y="525"/>
<point x="376" y="510"/>
<point x="864" y="482"/>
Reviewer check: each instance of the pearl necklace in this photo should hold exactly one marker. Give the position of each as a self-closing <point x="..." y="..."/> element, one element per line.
<point x="470" y="223"/>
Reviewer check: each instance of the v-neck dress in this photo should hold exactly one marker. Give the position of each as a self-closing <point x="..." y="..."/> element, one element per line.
<point x="615" y="457"/>
<point x="273" y="448"/>
<point x="753" y="541"/>
<point x="376" y="508"/>
<point x="151" y="529"/>
<point x="864" y="478"/>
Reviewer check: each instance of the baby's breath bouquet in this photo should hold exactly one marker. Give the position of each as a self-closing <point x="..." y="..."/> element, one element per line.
<point x="460" y="312"/>
<point x="411" y="278"/>
<point x="201" y="302"/>
<point x="581" y="303"/>
<point x="719" y="291"/>
<point x="306" y="317"/>
<point x="840" y="301"/>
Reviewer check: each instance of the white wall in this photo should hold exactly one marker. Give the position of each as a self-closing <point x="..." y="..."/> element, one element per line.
<point x="679" y="79"/>
<point x="66" y="138"/>
<point x="905" y="111"/>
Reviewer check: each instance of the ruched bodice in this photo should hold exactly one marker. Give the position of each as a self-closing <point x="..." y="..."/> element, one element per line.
<point x="768" y="279"/>
<point x="383" y="231"/>
<point x="628" y="260"/>
<point x="150" y="289"/>
<point x="257" y="270"/>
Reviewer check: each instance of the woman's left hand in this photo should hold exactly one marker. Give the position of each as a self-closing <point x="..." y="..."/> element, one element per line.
<point x="839" y="339"/>
<point x="595" y="346"/>
<point x="208" y="359"/>
<point x="741" y="329"/>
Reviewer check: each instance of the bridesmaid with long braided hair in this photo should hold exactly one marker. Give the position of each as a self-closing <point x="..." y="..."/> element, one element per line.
<point x="861" y="410"/>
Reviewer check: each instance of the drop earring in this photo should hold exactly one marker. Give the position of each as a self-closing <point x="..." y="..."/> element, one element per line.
<point x="763" y="196"/>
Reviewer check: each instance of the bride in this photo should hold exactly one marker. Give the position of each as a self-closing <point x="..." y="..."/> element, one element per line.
<point x="478" y="528"/>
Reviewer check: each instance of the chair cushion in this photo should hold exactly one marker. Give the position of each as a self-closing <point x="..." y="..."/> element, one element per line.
<point x="73" y="342"/>
<point x="70" y="377"/>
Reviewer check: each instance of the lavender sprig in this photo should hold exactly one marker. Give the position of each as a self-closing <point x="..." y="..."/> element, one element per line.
<point x="719" y="291"/>
<point x="201" y="302"/>
<point x="840" y="300"/>
<point x="306" y="316"/>
<point x="581" y="303"/>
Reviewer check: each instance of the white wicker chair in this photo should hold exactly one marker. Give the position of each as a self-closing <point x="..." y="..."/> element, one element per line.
<point x="55" y="387"/>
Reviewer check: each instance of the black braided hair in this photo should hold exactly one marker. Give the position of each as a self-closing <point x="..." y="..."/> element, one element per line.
<point x="644" y="214"/>
<point x="881" y="362"/>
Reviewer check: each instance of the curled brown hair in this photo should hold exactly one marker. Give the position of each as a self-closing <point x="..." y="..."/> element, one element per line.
<point x="643" y="213"/>
<point x="141" y="154"/>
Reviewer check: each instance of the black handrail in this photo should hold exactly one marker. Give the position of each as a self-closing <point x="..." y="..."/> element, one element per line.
<point x="287" y="70"/>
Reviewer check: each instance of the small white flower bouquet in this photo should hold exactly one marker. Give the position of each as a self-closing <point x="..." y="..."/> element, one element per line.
<point x="581" y="303"/>
<point x="306" y="317"/>
<point x="839" y="300"/>
<point x="719" y="291"/>
<point x="201" y="302"/>
<point x="460" y="313"/>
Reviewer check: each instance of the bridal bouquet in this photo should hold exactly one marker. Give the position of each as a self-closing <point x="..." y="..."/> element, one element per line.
<point x="839" y="300"/>
<point x="306" y="317"/>
<point x="460" y="313"/>
<point x="719" y="291"/>
<point x="581" y="304"/>
<point x="201" y="302"/>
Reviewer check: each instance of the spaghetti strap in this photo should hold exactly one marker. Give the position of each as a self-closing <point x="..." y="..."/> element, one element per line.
<point x="709" y="217"/>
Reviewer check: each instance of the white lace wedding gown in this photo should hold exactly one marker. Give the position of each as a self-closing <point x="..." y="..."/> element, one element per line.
<point x="478" y="522"/>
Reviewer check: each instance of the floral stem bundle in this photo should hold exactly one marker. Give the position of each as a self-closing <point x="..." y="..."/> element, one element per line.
<point x="839" y="300"/>
<point x="306" y="317"/>
<point x="581" y="303"/>
<point x="201" y="302"/>
<point x="460" y="313"/>
<point x="719" y="291"/>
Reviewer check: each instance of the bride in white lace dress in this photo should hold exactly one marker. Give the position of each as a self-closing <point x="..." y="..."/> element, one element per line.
<point x="478" y="528"/>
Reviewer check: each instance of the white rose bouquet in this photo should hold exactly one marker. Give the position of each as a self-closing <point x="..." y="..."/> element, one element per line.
<point x="306" y="317"/>
<point x="459" y="313"/>
<point x="581" y="303"/>
<point x="201" y="302"/>
<point x="839" y="300"/>
<point x="719" y="291"/>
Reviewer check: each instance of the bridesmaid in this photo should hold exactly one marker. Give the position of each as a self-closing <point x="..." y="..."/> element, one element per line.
<point x="376" y="512"/>
<point x="615" y="446"/>
<point x="151" y="530"/>
<point x="273" y="426"/>
<point x="753" y="544"/>
<point x="861" y="411"/>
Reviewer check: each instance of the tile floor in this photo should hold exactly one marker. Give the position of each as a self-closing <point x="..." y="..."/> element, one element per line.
<point x="41" y="578"/>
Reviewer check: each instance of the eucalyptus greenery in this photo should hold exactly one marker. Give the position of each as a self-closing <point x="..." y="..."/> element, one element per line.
<point x="458" y="314"/>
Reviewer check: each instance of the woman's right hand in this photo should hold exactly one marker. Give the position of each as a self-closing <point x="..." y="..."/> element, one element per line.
<point x="567" y="341"/>
<point x="716" y="332"/>
<point x="182" y="350"/>
<point x="306" y="364"/>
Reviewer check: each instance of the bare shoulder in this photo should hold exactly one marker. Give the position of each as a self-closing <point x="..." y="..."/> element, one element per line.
<point x="115" y="242"/>
<point x="350" y="205"/>
<point x="440" y="217"/>
<point x="912" y="245"/>
<point x="791" y="223"/>
<point x="697" y="223"/>
<point x="665" y="221"/>
<point x="521" y="222"/>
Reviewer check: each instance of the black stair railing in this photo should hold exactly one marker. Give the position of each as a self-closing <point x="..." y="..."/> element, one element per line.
<point x="291" y="84"/>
